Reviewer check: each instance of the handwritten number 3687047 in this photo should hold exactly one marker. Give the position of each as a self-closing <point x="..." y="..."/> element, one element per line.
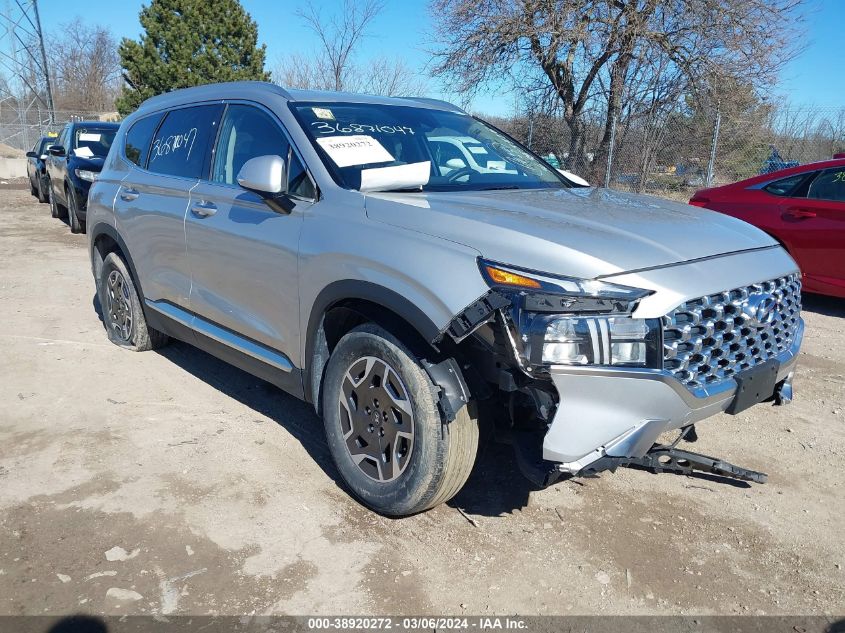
<point x="174" y="143"/>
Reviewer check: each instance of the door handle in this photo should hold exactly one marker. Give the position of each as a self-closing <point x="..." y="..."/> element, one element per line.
<point x="129" y="195"/>
<point x="204" y="209"/>
<point x="798" y="214"/>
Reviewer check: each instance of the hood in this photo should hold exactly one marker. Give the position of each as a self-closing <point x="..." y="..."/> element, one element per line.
<point x="94" y="163"/>
<point x="582" y="233"/>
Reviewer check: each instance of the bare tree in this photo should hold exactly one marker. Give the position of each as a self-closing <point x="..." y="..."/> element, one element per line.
<point x="589" y="50"/>
<point x="340" y="34"/>
<point x="335" y="67"/>
<point x="85" y="67"/>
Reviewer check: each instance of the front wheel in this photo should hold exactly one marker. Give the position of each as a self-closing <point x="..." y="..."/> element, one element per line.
<point x="123" y="317"/>
<point x="384" y="429"/>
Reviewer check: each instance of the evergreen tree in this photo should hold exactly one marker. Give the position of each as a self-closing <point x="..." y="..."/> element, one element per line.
<point x="188" y="43"/>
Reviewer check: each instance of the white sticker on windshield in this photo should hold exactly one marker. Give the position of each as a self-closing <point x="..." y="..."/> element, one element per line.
<point x="323" y="113"/>
<point x="497" y="165"/>
<point x="354" y="150"/>
<point x="84" y="152"/>
<point x="476" y="149"/>
<point x="89" y="136"/>
<point x="408" y="176"/>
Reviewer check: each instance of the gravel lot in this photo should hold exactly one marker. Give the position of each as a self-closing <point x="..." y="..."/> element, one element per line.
<point x="171" y="483"/>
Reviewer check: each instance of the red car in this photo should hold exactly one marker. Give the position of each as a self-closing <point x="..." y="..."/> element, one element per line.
<point x="801" y="207"/>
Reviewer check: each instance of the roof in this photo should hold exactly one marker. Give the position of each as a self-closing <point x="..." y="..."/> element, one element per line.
<point x="113" y="124"/>
<point x="256" y="89"/>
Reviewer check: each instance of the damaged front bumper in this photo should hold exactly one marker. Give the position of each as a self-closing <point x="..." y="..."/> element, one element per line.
<point x="620" y="412"/>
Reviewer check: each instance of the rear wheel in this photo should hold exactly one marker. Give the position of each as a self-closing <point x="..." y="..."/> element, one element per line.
<point x="384" y="428"/>
<point x="42" y="196"/>
<point x="123" y="317"/>
<point x="72" y="211"/>
<point x="56" y="210"/>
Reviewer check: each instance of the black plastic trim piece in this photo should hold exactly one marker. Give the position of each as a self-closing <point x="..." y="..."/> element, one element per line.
<point x="475" y="315"/>
<point x="454" y="393"/>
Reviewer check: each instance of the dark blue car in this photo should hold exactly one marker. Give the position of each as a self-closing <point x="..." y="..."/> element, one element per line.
<point x="73" y="163"/>
<point x="35" y="168"/>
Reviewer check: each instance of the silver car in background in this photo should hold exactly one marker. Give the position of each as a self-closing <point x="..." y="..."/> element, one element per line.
<point x="333" y="245"/>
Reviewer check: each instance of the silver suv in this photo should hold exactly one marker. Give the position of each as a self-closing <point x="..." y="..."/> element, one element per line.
<point x="334" y="245"/>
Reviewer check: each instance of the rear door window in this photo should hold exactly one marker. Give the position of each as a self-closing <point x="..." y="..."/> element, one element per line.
<point x="181" y="143"/>
<point x="830" y="185"/>
<point x="139" y="138"/>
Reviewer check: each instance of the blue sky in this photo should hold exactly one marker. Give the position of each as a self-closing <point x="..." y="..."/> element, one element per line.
<point x="815" y="78"/>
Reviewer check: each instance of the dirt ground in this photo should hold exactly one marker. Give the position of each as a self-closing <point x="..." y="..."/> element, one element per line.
<point x="169" y="482"/>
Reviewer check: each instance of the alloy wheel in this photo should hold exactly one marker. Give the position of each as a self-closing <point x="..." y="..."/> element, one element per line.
<point x="119" y="306"/>
<point x="376" y="419"/>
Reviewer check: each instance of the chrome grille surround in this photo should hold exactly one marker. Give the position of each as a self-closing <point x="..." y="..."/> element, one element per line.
<point x="708" y="340"/>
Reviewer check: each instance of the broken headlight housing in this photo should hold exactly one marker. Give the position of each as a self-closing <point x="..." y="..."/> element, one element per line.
<point x="566" y="321"/>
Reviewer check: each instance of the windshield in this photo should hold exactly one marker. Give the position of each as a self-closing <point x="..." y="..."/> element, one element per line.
<point x="373" y="147"/>
<point x="93" y="141"/>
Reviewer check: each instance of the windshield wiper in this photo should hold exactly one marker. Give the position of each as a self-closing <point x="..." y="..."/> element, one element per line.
<point x="499" y="187"/>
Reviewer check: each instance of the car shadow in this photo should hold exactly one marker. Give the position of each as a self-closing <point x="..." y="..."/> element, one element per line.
<point x="496" y="486"/>
<point x="295" y="416"/>
<point x="821" y="304"/>
<point x="98" y="308"/>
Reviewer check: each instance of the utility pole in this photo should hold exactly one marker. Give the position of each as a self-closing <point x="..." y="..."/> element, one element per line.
<point x="609" y="166"/>
<point x="23" y="57"/>
<point x="49" y="88"/>
<point x="711" y="164"/>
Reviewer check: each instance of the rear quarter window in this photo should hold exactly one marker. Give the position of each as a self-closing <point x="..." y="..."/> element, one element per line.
<point x="786" y="186"/>
<point x="139" y="138"/>
<point x="180" y="145"/>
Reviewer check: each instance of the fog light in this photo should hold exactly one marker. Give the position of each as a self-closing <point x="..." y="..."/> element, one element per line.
<point x="627" y="354"/>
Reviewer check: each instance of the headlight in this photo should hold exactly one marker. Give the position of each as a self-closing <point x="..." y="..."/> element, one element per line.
<point x="85" y="174"/>
<point x="567" y="321"/>
<point x="615" y="340"/>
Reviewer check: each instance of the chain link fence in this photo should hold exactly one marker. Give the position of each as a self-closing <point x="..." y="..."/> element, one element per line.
<point x="672" y="154"/>
<point x="21" y="128"/>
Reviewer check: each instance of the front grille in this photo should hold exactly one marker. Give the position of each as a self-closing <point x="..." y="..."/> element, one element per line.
<point x="709" y="339"/>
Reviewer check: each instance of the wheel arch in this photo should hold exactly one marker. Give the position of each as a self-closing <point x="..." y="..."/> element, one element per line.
<point x="343" y="305"/>
<point x="105" y="239"/>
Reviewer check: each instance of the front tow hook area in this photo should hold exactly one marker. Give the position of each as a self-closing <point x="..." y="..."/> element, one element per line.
<point x="668" y="459"/>
<point x="783" y="390"/>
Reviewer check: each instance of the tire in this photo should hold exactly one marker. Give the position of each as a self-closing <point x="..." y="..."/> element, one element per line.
<point x="42" y="197"/>
<point x="32" y="190"/>
<point x="119" y="299"/>
<point x="72" y="217"/>
<point x="56" y="210"/>
<point x="428" y="462"/>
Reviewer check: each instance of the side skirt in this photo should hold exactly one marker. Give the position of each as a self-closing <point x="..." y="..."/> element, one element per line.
<point x="250" y="356"/>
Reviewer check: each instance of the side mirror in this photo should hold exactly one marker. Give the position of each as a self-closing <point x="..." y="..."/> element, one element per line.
<point x="56" y="150"/>
<point x="455" y="163"/>
<point x="31" y="155"/>
<point x="265" y="175"/>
